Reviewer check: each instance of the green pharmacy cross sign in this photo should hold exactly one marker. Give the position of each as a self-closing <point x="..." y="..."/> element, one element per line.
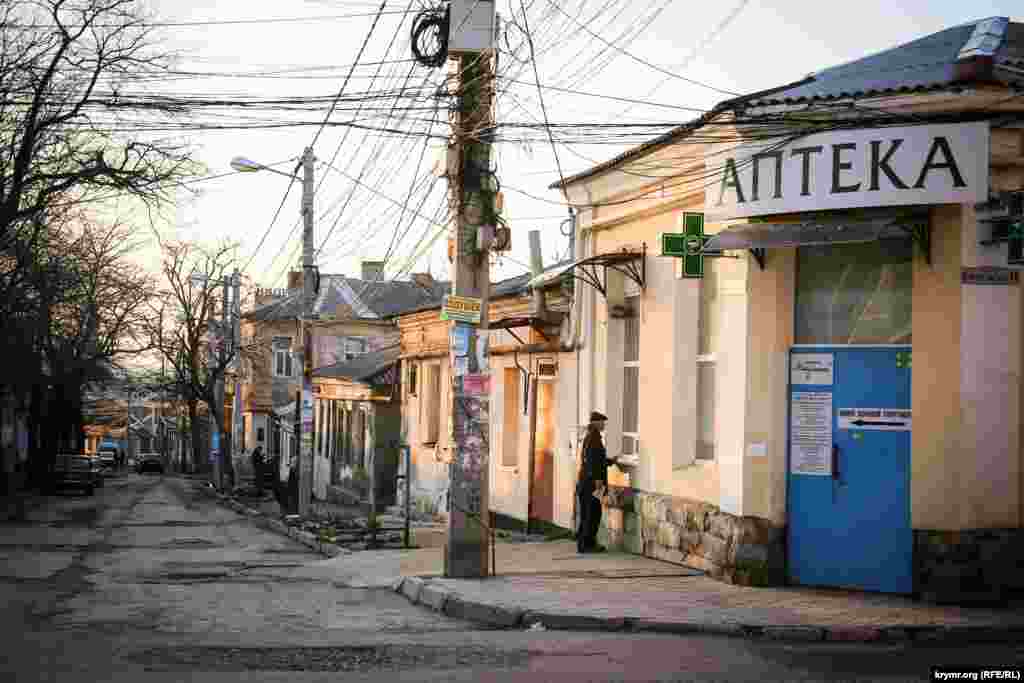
<point x="689" y="245"/>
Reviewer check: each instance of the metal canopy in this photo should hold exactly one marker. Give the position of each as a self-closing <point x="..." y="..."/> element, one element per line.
<point x="586" y="269"/>
<point x="532" y="322"/>
<point x="760" y="236"/>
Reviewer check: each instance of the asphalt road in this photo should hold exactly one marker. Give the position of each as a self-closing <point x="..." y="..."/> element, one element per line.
<point x="150" y="580"/>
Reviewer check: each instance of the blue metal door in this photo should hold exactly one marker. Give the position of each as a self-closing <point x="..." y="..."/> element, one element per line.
<point x="849" y="468"/>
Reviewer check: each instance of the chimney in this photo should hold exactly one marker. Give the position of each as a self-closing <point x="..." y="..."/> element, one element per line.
<point x="424" y="280"/>
<point x="295" y="279"/>
<point x="373" y="270"/>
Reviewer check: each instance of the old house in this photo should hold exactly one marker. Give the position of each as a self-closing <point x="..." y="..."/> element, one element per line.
<point x="533" y="428"/>
<point x="357" y="428"/>
<point x="819" y="372"/>
<point x="351" y="318"/>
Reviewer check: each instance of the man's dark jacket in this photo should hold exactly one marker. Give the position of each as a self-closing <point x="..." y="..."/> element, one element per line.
<point x="595" y="461"/>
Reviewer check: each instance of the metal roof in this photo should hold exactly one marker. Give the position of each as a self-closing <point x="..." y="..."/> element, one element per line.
<point x="363" y="367"/>
<point x="928" y="63"/>
<point x="361" y="299"/>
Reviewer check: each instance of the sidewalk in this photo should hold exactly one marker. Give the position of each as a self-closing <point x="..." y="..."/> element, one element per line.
<point x="548" y="585"/>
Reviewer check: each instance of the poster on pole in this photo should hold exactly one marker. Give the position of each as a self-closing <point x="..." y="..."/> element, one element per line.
<point x="810" y="436"/>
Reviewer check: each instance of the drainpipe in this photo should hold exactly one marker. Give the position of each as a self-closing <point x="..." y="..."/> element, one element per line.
<point x="539" y="310"/>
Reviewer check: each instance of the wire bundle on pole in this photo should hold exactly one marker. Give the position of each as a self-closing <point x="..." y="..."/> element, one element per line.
<point x="430" y="37"/>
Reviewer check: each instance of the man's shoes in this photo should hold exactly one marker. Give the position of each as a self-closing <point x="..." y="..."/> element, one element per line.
<point x="592" y="549"/>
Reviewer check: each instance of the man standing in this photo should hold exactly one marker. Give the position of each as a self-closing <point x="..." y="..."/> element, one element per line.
<point x="593" y="481"/>
<point x="257" y="469"/>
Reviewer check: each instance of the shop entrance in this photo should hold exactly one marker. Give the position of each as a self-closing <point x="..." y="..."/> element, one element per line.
<point x="848" y="499"/>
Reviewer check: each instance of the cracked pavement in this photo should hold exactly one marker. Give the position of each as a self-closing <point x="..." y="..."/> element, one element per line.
<point x="151" y="579"/>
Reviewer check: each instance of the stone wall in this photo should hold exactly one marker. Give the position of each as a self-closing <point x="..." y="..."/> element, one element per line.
<point x="741" y="550"/>
<point x="969" y="566"/>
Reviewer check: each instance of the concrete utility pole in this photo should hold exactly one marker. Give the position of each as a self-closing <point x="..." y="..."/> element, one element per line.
<point x="306" y="440"/>
<point x="474" y="201"/>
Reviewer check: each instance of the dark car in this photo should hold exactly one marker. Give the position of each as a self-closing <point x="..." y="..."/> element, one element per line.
<point x="150" y="462"/>
<point x="76" y="471"/>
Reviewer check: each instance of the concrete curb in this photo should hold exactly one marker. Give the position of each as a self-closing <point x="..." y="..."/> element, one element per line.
<point x="423" y="592"/>
<point x="304" y="537"/>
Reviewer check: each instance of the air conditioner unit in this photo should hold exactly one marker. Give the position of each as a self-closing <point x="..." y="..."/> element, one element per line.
<point x="547" y="368"/>
<point x="471" y="26"/>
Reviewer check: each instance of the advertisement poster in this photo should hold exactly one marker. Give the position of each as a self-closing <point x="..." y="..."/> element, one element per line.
<point x="811" y="433"/>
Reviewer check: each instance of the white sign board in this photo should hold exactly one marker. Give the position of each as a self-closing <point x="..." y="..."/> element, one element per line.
<point x="897" y="166"/>
<point x="812" y="368"/>
<point x="810" y="433"/>
<point x="878" y="419"/>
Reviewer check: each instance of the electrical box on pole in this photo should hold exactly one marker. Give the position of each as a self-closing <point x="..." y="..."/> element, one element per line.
<point x="472" y="25"/>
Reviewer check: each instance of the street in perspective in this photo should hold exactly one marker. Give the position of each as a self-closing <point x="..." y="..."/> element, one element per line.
<point x="511" y="340"/>
<point x="153" y="579"/>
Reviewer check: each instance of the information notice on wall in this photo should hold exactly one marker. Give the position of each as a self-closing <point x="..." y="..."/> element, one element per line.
<point x="810" y="435"/>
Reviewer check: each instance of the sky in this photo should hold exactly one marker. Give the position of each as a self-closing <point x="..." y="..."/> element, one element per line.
<point x="396" y="210"/>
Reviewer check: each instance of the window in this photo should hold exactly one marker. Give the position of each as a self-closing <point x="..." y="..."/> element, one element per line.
<point x="631" y="379"/>
<point x="511" y="419"/>
<point x="707" y="323"/>
<point x="354" y="346"/>
<point x="283" y="361"/>
<point x="259" y="434"/>
<point x="412" y="377"/>
<point x="855" y="293"/>
<point x="705" y="410"/>
<point x="359" y="437"/>
<point x="430" y="404"/>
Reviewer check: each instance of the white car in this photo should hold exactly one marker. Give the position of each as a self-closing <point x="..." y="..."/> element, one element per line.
<point x="108" y="459"/>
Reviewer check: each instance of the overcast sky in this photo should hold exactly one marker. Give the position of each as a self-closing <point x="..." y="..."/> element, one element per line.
<point x="732" y="46"/>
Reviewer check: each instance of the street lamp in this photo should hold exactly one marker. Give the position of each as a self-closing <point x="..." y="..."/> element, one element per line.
<point x="245" y="165"/>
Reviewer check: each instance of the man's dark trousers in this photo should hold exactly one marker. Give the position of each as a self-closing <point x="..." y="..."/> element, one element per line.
<point x="589" y="509"/>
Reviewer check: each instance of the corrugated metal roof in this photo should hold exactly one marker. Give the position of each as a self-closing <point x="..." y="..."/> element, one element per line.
<point x="362" y="367"/>
<point x="928" y="63"/>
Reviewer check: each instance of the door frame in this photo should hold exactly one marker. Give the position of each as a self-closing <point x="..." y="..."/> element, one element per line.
<point x="789" y="417"/>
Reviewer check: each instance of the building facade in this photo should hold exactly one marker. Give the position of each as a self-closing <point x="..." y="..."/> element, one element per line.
<point x="828" y="364"/>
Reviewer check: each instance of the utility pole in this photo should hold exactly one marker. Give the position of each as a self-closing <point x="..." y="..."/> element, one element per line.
<point x="306" y="439"/>
<point x="236" y="331"/>
<point x="474" y="201"/>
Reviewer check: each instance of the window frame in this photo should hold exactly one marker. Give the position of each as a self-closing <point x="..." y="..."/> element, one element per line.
<point x="633" y="320"/>
<point x="283" y="358"/>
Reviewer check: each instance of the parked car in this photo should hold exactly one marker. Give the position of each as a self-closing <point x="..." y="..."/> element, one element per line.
<point x="109" y="459"/>
<point x="150" y="462"/>
<point x="78" y="471"/>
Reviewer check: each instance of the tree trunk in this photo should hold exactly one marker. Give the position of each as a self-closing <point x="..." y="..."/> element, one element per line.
<point x="197" y="438"/>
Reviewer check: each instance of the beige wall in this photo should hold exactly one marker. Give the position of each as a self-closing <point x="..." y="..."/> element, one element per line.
<point x="966" y="386"/>
<point x="772" y="296"/>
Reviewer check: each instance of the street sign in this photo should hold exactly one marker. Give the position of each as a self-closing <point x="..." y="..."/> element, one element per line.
<point x="688" y="245"/>
<point x="461" y="308"/>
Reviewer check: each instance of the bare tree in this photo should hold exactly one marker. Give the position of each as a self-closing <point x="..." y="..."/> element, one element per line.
<point x="185" y="330"/>
<point x="62" y="65"/>
<point x="91" y="313"/>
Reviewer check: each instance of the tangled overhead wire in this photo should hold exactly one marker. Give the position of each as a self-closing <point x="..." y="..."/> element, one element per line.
<point x="430" y="37"/>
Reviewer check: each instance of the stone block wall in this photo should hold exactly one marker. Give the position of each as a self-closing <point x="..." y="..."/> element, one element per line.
<point x="969" y="566"/>
<point x="741" y="550"/>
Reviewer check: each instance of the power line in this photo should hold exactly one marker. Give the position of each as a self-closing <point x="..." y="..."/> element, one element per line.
<point x="540" y="94"/>
<point x="210" y="22"/>
<point x="359" y="56"/>
<point x="644" y="61"/>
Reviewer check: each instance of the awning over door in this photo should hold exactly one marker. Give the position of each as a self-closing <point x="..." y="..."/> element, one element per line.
<point x="593" y="270"/>
<point x="760" y="236"/>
